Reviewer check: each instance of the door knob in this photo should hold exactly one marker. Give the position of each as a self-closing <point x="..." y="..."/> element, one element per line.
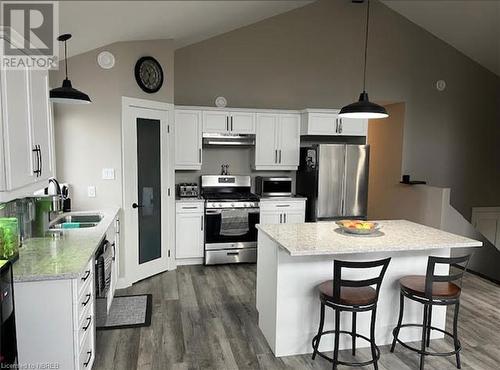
<point x="135" y="205"/>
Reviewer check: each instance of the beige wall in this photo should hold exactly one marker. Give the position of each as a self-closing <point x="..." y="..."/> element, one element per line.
<point x="88" y="137"/>
<point x="385" y="138"/>
<point x="312" y="57"/>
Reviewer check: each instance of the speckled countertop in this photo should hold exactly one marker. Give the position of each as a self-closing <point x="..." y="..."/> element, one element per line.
<point x="63" y="254"/>
<point x="324" y="238"/>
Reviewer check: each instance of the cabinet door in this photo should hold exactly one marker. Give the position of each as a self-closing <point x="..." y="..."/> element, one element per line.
<point x="242" y="123"/>
<point x="321" y="124"/>
<point x="266" y="151"/>
<point x="18" y="149"/>
<point x="188" y="140"/>
<point x="41" y="121"/>
<point x="189" y="235"/>
<point x="353" y="127"/>
<point x="295" y="217"/>
<point x="270" y="217"/>
<point x="215" y="121"/>
<point x="289" y="140"/>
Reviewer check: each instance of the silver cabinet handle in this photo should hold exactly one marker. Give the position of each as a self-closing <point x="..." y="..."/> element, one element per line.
<point x="280" y="156"/>
<point x="281" y="218"/>
<point x="340" y="126"/>
<point x="284" y="218"/>
<point x="199" y="154"/>
<point x="276" y="156"/>
<point x="201" y="222"/>
<point x="336" y="125"/>
<point x="89" y="320"/>
<point x="232" y="253"/>
<point x="189" y="207"/>
<point x="40" y="159"/>
<point x="231" y="123"/>
<point x="227" y="123"/>
<point x="86" y="363"/>
<point x="282" y="205"/>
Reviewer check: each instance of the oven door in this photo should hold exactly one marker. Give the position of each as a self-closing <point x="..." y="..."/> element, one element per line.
<point x="217" y="234"/>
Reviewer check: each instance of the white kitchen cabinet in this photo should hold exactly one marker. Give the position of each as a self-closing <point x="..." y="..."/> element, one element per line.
<point x="277" y="141"/>
<point x="326" y="122"/>
<point x="41" y="117"/>
<point x="228" y="122"/>
<point x="189" y="224"/>
<point x="55" y="321"/>
<point x="27" y="153"/>
<point x="188" y="141"/>
<point x="282" y="211"/>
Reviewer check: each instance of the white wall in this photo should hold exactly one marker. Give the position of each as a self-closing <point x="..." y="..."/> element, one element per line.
<point x="88" y="137"/>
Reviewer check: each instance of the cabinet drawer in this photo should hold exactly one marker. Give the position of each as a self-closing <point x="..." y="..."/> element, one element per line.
<point x="86" y="355"/>
<point x="184" y="207"/>
<point x="85" y="324"/>
<point x="85" y="276"/>
<point x="85" y="299"/>
<point x="282" y="205"/>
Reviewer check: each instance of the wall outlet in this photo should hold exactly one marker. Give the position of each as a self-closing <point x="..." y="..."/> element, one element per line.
<point x="108" y="173"/>
<point x="91" y="191"/>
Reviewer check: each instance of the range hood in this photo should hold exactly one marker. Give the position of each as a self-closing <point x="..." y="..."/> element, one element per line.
<point x="228" y="139"/>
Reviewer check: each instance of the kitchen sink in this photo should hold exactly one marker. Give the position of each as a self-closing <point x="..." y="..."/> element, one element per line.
<point x="76" y="222"/>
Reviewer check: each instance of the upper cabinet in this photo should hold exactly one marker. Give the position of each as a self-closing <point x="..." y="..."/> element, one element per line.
<point x="188" y="153"/>
<point x="27" y="154"/>
<point x="228" y="122"/>
<point x="327" y="122"/>
<point x="277" y="141"/>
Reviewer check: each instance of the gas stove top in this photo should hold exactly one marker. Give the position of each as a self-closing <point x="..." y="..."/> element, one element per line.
<point x="228" y="192"/>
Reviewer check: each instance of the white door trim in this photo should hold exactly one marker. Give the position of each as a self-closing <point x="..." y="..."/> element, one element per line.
<point x="133" y="272"/>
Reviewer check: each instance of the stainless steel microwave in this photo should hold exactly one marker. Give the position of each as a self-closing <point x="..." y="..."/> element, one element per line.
<point x="273" y="186"/>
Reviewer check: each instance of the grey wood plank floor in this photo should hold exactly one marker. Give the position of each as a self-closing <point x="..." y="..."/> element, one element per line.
<point x="205" y="318"/>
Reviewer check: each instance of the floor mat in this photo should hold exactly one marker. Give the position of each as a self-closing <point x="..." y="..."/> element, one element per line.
<point x="130" y="311"/>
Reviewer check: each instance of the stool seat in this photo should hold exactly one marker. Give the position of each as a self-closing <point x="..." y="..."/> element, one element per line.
<point x="415" y="284"/>
<point x="349" y="296"/>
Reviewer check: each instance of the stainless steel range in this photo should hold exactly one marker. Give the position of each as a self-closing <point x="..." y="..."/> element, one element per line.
<point x="231" y="213"/>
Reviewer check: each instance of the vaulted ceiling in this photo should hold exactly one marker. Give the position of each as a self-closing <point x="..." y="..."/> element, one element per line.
<point x="471" y="26"/>
<point x="98" y="23"/>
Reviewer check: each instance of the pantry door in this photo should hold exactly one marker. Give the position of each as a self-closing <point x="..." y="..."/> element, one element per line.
<point x="148" y="174"/>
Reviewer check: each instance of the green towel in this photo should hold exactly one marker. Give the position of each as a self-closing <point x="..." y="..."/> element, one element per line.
<point x="71" y="225"/>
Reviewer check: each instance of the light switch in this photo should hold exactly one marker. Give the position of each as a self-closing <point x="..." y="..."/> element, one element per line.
<point x="108" y="173"/>
<point x="91" y="191"/>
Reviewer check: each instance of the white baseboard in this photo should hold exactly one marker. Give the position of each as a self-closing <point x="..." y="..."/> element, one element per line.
<point x="189" y="261"/>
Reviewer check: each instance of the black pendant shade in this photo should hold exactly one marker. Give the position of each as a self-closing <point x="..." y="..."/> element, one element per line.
<point x="364" y="108"/>
<point x="67" y="93"/>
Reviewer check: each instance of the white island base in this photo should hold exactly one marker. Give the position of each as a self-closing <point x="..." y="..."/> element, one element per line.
<point x="288" y="300"/>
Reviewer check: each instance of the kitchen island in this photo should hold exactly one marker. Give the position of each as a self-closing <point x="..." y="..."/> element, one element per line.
<point x="293" y="259"/>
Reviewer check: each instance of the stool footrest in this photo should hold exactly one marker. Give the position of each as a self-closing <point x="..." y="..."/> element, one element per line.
<point x="427" y="353"/>
<point x="370" y="362"/>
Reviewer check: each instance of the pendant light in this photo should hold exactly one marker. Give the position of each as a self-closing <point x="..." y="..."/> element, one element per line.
<point x="364" y="108"/>
<point x="66" y="93"/>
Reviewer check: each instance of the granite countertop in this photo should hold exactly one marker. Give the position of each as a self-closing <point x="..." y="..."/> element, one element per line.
<point x="277" y="199"/>
<point x="63" y="254"/>
<point x="189" y="200"/>
<point x="325" y="238"/>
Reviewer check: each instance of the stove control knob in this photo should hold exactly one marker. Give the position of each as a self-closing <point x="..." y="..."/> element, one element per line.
<point x="219" y="205"/>
<point x="232" y="205"/>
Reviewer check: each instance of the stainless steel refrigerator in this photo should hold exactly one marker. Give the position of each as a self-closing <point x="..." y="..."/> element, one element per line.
<point x="334" y="178"/>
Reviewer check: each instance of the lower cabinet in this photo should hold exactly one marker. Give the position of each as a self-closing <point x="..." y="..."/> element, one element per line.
<point x="189" y="240"/>
<point x="55" y="321"/>
<point x="290" y="211"/>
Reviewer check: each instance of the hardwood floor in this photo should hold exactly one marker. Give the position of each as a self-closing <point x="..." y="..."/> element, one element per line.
<point x="205" y="318"/>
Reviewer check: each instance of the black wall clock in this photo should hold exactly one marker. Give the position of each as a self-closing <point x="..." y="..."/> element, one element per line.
<point x="149" y="74"/>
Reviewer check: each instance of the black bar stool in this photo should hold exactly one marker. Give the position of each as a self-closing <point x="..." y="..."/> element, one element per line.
<point x="432" y="290"/>
<point x="351" y="296"/>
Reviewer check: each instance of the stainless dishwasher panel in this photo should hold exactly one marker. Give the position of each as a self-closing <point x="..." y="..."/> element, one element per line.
<point x="216" y="257"/>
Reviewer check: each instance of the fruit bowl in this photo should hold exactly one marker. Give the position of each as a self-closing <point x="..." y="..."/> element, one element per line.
<point x="358" y="227"/>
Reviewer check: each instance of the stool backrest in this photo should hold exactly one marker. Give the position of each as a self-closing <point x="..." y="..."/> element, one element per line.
<point x="339" y="282"/>
<point x="431" y="277"/>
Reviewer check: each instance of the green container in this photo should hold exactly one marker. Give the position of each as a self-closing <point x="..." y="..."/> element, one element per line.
<point x="9" y="237"/>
